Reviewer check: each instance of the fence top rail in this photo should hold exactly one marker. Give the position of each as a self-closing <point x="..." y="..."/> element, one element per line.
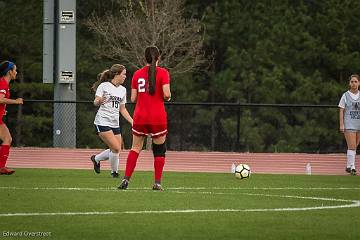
<point x="225" y="104"/>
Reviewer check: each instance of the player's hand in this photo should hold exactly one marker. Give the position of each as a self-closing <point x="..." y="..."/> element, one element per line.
<point x="99" y="101"/>
<point x="19" y="101"/>
<point x="102" y="100"/>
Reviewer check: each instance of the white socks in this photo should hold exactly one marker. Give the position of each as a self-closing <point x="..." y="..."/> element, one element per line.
<point x="104" y="155"/>
<point x="350" y="159"/>
<point x="112" y="157"/>
<point x="114" y="161"/>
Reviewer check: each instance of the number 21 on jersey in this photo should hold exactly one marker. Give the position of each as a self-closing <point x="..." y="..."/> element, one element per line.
<point x="141" y="85"/>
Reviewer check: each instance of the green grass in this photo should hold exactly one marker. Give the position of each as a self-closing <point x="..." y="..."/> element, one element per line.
<point x="48" y="191"/>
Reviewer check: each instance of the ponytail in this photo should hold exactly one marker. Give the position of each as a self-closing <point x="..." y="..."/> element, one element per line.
<point x="152" y="76"/>
<point x="152" y="54"/>
<point x="99" y="79"/>
<point x="107" y="75"/>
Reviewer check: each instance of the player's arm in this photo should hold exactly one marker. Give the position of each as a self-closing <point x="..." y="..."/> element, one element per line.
<point x="99" y="99"/>
<point x="124" y="112"/>
<point x="341" y="106"/>
<point x="134" y="87"/>
<point x="134" y="94"/>
<point x="167" y="92"/>
<point x="4" y="100"/>
<point x="341" y="119"/>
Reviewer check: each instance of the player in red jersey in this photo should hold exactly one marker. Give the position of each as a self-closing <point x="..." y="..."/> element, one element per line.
<point x="150" y="87"/>
<point x="7" y="73"/>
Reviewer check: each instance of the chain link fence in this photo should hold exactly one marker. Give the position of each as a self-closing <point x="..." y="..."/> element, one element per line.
<point x="192" y="126"/>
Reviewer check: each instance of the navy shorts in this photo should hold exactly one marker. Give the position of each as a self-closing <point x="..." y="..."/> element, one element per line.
<point x="99" y="128"/>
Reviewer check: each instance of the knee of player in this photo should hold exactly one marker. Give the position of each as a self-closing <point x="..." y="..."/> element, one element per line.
<point x="159" y="150"/>
<point x="116" y="149"/>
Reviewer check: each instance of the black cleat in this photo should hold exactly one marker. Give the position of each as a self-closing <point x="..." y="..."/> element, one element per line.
<point x="96" y="164"/>
<point x="124" y="184"/>
<point x="353" y="172"/>
<point x="348" y="170"/>
<point x="115" y="174"/>
<point x="157" y="187"/>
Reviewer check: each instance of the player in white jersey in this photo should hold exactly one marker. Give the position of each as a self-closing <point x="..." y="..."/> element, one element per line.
<point x="349" y="106"/>
<point x="110" y="96"/>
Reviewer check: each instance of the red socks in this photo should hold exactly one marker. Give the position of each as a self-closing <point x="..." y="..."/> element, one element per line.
<point x="159" y="163"/>
<point x="131" y="163"/>
<point x="4" y="154"/>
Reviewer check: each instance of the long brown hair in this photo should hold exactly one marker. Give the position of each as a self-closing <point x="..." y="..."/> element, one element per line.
<point x="152" y="54"/>
<point x="107" y="75"/>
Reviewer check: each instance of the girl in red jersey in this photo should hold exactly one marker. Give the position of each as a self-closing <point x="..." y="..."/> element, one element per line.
<point x="7" y="73"/>
<point x="150" y="86"/>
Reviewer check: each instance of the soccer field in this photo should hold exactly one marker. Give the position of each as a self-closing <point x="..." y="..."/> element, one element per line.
<point x="77" y="204"/>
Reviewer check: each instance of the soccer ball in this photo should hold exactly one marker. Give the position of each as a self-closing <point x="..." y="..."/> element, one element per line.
<point x="242" y="171"/>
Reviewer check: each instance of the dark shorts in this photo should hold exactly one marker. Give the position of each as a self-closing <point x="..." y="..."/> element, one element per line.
<point x="352" y="130"/>
<point x="154" y="131"/>
<point x="100" y="128"/>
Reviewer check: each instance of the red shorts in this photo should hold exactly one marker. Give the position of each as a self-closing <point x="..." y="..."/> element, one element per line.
<point x="1" y="119"/>
<point x="154" y="131"/>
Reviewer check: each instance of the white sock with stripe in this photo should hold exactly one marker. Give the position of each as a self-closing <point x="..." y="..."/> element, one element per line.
<point x="104" y="155"/>
<point x="114" y="161"/>
<point x="350" y="159"/>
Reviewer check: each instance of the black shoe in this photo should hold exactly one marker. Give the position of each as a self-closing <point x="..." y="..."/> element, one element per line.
<point x="115" y="174"/>
<point x="353" y="172"/>
<point x="348" y="170"/>
<point x="96" y="164"/>
<point x="157" y="187"/>
<point x="124" y="184"/>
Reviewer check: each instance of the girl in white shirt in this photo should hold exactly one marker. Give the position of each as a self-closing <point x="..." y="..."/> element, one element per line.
<point x="110" y="97"/>
<point x="349" y="106"/>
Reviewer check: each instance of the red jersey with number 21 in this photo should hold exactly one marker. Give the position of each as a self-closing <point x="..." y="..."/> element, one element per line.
<point x="150" y="109"/>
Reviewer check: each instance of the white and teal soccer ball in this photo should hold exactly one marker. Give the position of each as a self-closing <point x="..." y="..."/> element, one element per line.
<point x="242" y="171"/>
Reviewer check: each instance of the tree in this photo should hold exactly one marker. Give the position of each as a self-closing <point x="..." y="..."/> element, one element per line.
<point x="126" y="31"/>
<point x="283" y="52"/>
<point x="21" y="42"/>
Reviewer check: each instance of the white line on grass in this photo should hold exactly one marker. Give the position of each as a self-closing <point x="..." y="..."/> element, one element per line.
<point x="180" y="188"/>
<point x="352" y="204"/>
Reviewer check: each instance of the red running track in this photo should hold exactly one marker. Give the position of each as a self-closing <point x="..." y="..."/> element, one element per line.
<point x="279" y="163"/>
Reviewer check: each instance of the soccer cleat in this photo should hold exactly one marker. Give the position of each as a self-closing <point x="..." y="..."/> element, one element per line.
<point x="96" y="164"/>
<point x="157" y="187"/>
<point x="353" y="172"/>
<point x="348" y="170"/>
<point x="115" y="174"/>
<point x="6" y="171"/>
<point x="124" y="184"/>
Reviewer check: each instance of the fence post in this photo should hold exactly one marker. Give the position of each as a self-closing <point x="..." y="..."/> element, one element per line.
<point x="237" y="147"/>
